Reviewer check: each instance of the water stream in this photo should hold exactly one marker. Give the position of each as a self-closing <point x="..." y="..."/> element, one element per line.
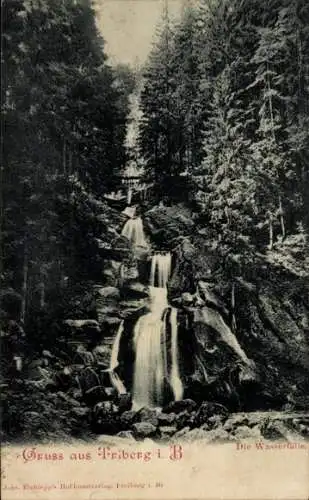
<point x="114" y="377"/>
<point x="150" y="342"/>
<point x="134" y="231"/>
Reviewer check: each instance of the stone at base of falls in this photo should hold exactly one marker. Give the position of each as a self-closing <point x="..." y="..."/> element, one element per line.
<point x="126" y="435"/>
<point x="167" y="431"/>
<point x="278" y="430"/>
<point x="166" y="419"/>
<point x="144" y="429"/>
<point x="185" y="419"/>
<point x="208" y="410"/>
<point x="248" y="433"/>
<point x="127" y="419"/>
<point x="147" y="415"/>
<point x="124" y="402"/>
<point x="105" y="418"/>
<point x="116" y="440"/>
<point x="180" y="406"/>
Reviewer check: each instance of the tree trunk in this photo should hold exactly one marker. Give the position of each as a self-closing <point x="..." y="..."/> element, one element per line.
<point x="282" y="224"/>
<point x="234" y="326"/>
<point x="24" y="289"/>
<point x="271" y="232"/>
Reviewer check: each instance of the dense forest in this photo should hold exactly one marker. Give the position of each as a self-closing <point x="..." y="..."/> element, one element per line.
<point x="223" y="140"/>
<point x="225" y="102"/>
<point x="64" y="120"/>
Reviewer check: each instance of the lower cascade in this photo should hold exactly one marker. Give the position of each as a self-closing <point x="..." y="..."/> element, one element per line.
<point x="114" y="377"/>
<point x="150" y="342"/>
<point x="175" y="377"/>
<point x="133" y="230"/>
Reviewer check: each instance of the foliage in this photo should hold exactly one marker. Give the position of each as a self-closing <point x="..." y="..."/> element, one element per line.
<point x="64" y="122"/>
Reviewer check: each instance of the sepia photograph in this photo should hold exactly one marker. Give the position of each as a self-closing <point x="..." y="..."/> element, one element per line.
<point x="154" y="249"/>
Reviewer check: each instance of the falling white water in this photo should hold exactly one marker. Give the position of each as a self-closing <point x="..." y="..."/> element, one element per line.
<point x="160" y="268"/>
<point x="133" y="230"/>
<point x="114" y="377"/>
<point x="129" y="196"/>
<point x="175" y="380"/>
<point x="151" y="370"/>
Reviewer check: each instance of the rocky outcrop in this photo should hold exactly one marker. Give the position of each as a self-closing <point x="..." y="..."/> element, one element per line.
<point x="247" y="330"/>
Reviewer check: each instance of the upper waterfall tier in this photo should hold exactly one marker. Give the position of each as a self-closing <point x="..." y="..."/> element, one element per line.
<point x="160" y="272"/>
<point x="134" y="231"/>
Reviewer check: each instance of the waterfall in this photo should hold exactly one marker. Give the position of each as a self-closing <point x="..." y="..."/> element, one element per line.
<point x="149" y="340"/>
<point x="133" y="230"/>
<point x="161" y="268"/>
<point x="129" y="196"/>
<point x="175" y="380"/>
<point x="114" y="377"/>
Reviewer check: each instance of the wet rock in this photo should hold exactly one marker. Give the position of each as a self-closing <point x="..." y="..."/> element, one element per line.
<point x="276" y="430"/>
<point x="218" y="435"/>
<point x="214" y="421"/>
<point x="214" y="320"/>
<point x="236" y="420"/>
<point x="208" y="410"/>
<point x="65" y="397"/>
<point x="80" y="411"/>
<point x="111" y="272"/>
<point x="134" y="291"/>
<point x="124" y="402"/>
<point x="180" y="406"/>
<point x="193" y="435"/>
<point x="247" y="433"/>
<point x="166" y="224"/>
<point x="187" y="299"/>
<point x="167" y="431"/>
<point x="143" y="429"/>
<point x="109" y="292"/>
<point x="130" y="311"/>
<point x="166" y="418"/>
<point x="176" y="302"/>
<point x="184" y="419"/>
<point x="127" y="419"/>
<point x="210" y="298"/>
<point x="82" y="329"/>
<point x="81" y="323"/>
<point x="115" y="440"/>
<point x="31" y="417"/>
<point x="105" y="418"/>
<point x="126" y="434"/>
<point x="102" y="354"/>
<point x="147" y="415"/>
<point x="181" y="432"/>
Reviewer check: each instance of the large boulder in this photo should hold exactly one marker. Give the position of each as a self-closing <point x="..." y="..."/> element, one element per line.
<point x="143" y="430"/>
<point x="180" y="406"/>
<point x="166" y="224"/>
<point x="147" y="415"/>
<point x="104" y="418"/>
<point x="208" y="410"/>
